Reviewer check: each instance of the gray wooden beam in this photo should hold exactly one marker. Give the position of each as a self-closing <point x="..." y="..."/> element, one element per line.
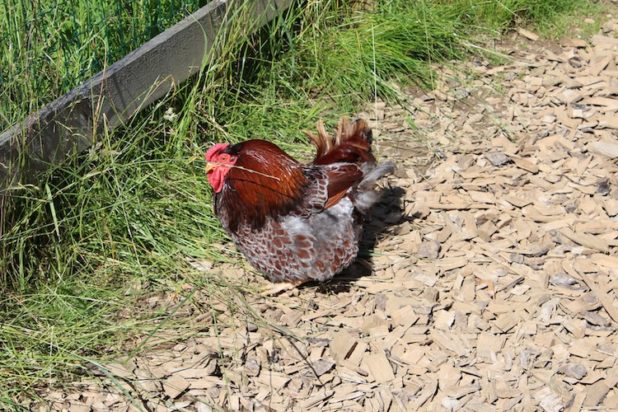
<point x="71" y="123"/>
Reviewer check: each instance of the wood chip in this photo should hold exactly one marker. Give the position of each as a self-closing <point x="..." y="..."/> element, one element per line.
<point x="607" y="148"/>
<point x="378" y="367"/>
<point x="450" y="342"/>
<point x="274" y="379"/>
<point x="595" y="394"/>
<point x="120" y="370"/>
<point x="528" y="34"/>
<point x="175" y="385"/>
<point x="341" y="345"/>
<point x="429" y="390"/>
<point x="526" y="165"/>
<point x="602" y="296"/>
<point x="315" y="400"/>
<point x="497" y="158"/>
<point x="584" y="239"/>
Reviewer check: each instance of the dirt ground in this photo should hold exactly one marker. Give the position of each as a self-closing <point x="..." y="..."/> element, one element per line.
<point x="494" y="268"/>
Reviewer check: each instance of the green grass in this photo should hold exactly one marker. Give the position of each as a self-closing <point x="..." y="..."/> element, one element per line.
<point x="108" y="229"/>
<point x="47" y="47"/>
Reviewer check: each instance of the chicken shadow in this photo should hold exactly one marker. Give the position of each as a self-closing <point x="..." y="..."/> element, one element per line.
<point x="386" y="213"/>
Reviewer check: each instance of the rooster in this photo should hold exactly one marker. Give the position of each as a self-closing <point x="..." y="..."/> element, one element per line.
<point x="297" y="222"/>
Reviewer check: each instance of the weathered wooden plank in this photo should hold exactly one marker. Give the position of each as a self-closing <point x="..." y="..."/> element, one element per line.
<point x="71" y="123"/>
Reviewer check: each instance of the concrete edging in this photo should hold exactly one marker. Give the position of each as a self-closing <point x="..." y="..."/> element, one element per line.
<point x="71" y="123"/>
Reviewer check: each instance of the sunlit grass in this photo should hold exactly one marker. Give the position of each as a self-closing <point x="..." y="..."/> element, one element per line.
<point x="48" y="47"/>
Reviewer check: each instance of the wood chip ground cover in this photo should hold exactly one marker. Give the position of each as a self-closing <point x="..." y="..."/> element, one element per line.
<point x="494" y="284"/>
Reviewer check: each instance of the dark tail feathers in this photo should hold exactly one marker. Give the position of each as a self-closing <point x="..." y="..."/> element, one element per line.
<point x="351" y="144"/>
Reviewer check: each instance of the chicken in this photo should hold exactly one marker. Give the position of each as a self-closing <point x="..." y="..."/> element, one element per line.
<point x="297" y="222"/>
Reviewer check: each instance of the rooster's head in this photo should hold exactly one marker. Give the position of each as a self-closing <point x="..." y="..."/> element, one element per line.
<point x="219" y="161"/>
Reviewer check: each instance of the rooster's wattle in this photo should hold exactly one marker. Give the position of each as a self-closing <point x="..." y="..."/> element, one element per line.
<point x="297" y="222"/>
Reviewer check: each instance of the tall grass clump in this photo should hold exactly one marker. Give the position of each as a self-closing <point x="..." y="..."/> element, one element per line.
<point x="48" y="46"/>
<point x="118" y="223"/>
<point x="396" y="41"/>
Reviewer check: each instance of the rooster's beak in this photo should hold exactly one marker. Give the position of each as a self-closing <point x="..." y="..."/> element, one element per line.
<point x="209" y="167"/>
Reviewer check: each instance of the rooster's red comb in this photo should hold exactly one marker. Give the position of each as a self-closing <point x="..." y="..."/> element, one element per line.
<point x="215" y="150"/>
